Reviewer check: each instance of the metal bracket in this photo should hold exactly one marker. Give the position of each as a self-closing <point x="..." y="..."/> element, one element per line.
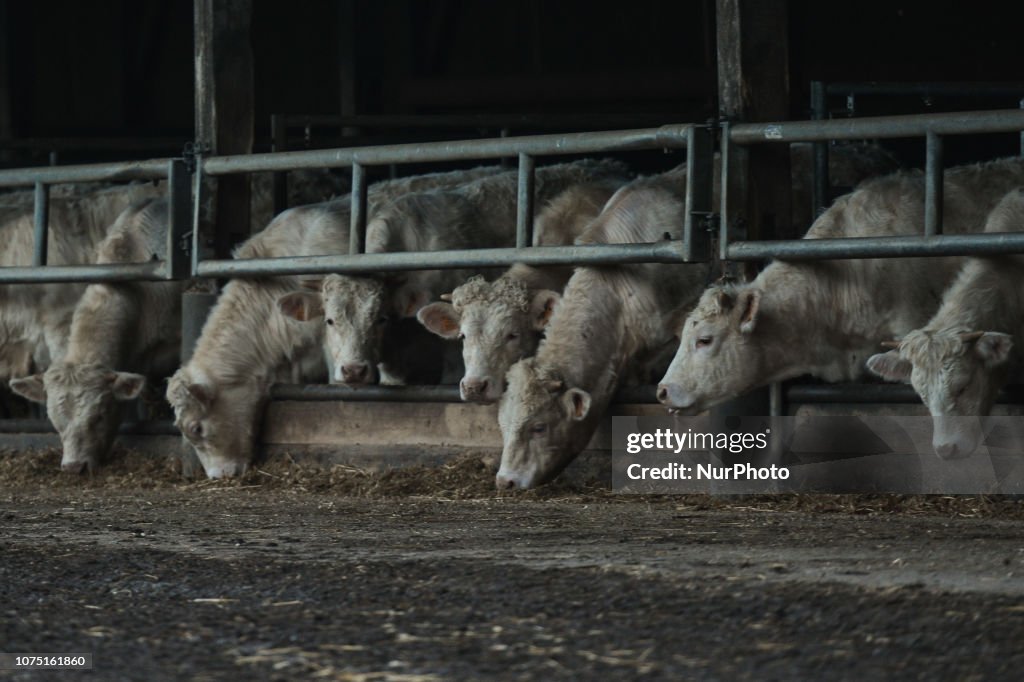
<point x="192" y="152"/>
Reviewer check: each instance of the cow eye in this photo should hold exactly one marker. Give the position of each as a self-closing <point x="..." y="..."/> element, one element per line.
<point x="330" y="321"/>
<point x="513" y="336"/>
<point x="196" y="430"/>
<point x="537" y="429"/>
<point x="703" y="341"/>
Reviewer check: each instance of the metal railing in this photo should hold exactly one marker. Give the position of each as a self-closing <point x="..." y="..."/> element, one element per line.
<point x="693" y="248"/>
<point x="177" y="266"/>
<point x="930" y="126"/>
<point x="928" y="92"/>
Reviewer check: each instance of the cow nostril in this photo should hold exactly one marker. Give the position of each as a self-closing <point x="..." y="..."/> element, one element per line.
<point x="503" y="483"/>
<point x="662" y="394"/>
<point x="76" y="468"/>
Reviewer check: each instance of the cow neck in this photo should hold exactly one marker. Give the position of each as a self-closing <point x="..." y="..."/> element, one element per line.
<point x="986" y="296"/>
<point x="585" y="338"/>
<point x="102" y="323"/>
<point x="245" y="339"/>
<point x="802" y="325"/>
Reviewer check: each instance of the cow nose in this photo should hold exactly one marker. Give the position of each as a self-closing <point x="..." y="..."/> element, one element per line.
<point x="355" y="373"/>
<point x="673" y="395"/>
<point x="946" y="450"/>
<point x="504" y="482"/>
<point x="474" y="387"/>
<point x="76" y="468"/>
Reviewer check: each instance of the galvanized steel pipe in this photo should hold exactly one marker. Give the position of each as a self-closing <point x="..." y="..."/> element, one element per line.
<point x="879" y="247"/>
<point x="596" y="254"/>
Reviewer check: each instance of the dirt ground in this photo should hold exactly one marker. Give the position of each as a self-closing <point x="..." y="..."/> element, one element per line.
<point x="426" y="574"/>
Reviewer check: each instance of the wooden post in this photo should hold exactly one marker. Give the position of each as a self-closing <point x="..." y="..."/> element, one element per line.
<point x="753" y="85"/>
<point x="224" y="112"/>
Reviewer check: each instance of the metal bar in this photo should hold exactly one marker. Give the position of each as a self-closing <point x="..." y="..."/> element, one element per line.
<point x="819" y="184"/>
<point x="179" y="219"/>
<point x="41" y="224"/>
<point x="875" y="393"/>
<point x="880" y="247"/>
<point x="198" y="189"/>
<point x="926" y="89"/>
<point x="112" y="272"/>
<point x="459" y="150"/>
<point x="414" y="394"/>
<point x="153" y="169"/>
<point x="524" y="202"/>
<point x="957" y="123"/>
<point x="1022" y="132"/>
<point x="357" y="227"/>
<point x="279" y="143"/>
<point x="591" y="254"/>
<point x="776" y="400"/>
<point x="725" y="215"/>
<point x="699" y="194"/>
<point x="933" y="184"/>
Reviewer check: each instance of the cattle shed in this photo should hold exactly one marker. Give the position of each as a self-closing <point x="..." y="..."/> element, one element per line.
<point x="366" y="539"/>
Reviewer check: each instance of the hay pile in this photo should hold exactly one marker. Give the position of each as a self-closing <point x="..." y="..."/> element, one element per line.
<point x="466" y="477"/>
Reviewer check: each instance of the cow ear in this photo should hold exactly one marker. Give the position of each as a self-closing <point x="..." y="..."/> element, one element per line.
<point x="890" y="366"/>
<point x="408" y="301"/>
<point x="993" y="348"/>
<point x="542" y="306"/>
<point x="31" y="387"/>
<point x="577" y="402"/>
<point x="748" y="303"/>
<point x="301" y="305"/>
<point x="126" y="385"/>
<point x="441" y="319"/>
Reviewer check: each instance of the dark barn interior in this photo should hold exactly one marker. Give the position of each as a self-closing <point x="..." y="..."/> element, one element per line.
<point x="371" y="532"/>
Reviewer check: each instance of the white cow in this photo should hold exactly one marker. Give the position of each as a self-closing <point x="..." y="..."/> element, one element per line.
<point x="826" y="318"/>
<point x="959" y="360"/>
<point x="358" y="311"/>
<point x="116" y="326"/>
<point x="609" y="321"/>
<point x="247" y="344"/>
<point x="35" y="319"/>
<point x="501" y="322"/>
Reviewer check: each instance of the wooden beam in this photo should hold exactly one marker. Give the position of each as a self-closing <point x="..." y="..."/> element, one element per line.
<point x="753" y="85"/>
<point x="224" y="112"/>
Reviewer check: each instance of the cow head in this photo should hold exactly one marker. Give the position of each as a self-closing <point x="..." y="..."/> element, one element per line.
<point x="957" y="374"/>
<point x="82" y="402"/>
<point x="356" y="312"/>
<point x="544" y="424"/>
<point x="499" y="323"/>
<point x="218" y="420"/>
<point x="719" y="355"/>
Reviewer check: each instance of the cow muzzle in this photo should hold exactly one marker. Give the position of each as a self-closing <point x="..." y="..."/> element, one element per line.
<point x="355" y="373"/>
<point x="676" y="399"/>
<point x="474" y="390"/>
